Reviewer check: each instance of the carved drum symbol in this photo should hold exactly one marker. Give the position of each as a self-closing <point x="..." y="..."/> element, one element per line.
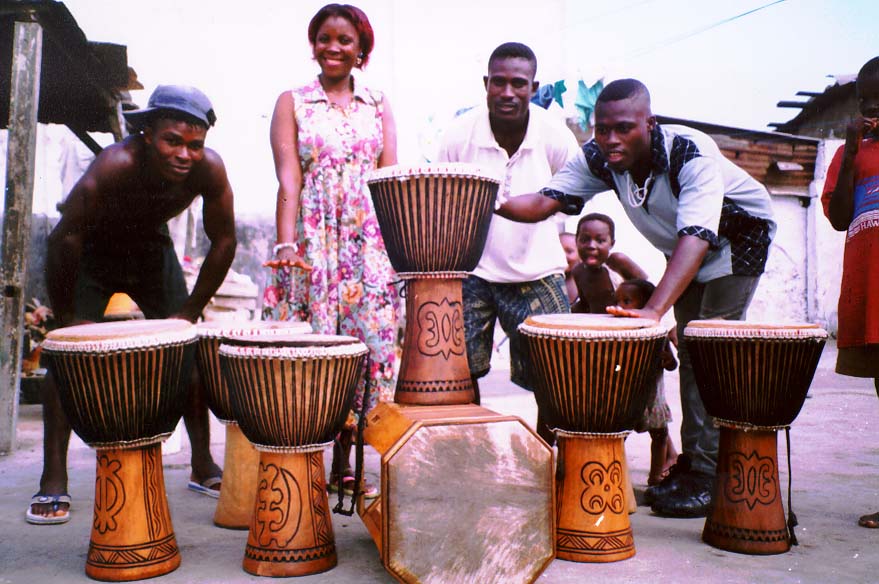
<point x="752" y="479"/>
<point x="109" y="494"/>
<point x="280" y="496"/>
<point x="604" y="488"/>
<point x="440" y="329"/>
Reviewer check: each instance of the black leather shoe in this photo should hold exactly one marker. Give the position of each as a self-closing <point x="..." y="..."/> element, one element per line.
<point x="692" y="499"/>
<point x="670" y="483"/>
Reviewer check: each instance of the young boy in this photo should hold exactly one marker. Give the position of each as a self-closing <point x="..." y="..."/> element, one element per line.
<point x="851" y="202"/>
<point x="599" y="271"/>
<point x="112" y="237"/>
<point x="635" y="294"/>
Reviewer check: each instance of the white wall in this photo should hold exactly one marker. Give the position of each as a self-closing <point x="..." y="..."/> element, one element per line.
<point x="829" y="247"/>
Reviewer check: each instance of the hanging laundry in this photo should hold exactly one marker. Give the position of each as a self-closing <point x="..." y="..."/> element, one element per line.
<point x="585" y="102"/>
<point x="543" y="96"/>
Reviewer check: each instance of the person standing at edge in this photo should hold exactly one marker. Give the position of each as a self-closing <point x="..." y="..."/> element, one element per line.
<point x="113" y="237"/>
<point x="712" y="221"/>
<point x="851" y="202"/>
<point x="522" y="268"/>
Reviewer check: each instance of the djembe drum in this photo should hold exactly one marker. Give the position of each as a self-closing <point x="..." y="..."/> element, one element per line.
<point x="467" y="495"/>
<point x="240" y="458"/>
<point x="123" y="387"/>
<point x="434" y="221"/>
<point x="291" y="396"/>
<point x="591" y="373"/>
<point x="753" y="378"/>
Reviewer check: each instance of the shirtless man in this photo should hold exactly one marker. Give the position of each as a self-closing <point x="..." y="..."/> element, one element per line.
<point x="112" y="237"/>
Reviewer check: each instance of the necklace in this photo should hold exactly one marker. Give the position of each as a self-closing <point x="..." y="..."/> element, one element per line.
<point x="637" y="195"/>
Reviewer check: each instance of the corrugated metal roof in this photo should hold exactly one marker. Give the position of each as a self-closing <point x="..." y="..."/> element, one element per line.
<point x="80" y="80"/>
<point x="842" y="89"/>
<point x="782" y="162"/>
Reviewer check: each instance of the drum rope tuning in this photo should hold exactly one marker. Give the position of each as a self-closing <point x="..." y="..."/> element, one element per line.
<point x="791" y="517"/>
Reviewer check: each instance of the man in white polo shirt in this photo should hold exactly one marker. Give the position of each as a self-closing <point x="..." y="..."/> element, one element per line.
<point x="711" y="220"/>
<point x="521" y="271"/>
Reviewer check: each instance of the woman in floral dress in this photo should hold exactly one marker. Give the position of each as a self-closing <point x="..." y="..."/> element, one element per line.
<point x="326" y="138"/>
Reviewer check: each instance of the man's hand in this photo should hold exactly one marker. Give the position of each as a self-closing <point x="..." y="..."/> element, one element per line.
<point x="856" y="131"/>
<point x="187" y="317"/>
<point x="634" y="312"/>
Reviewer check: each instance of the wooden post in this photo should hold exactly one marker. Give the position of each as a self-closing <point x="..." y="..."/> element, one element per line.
<point x="24" y="96"/>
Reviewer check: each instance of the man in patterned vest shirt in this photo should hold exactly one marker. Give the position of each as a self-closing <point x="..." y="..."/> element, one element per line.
<point x="710" y="218"/>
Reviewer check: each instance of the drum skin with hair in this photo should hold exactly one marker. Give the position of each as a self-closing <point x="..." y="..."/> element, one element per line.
<point x="591" y="376"/>
<point x="753" y="379"/>
<point x="291" y="395"/>
<point x="466" y="495"/>
<point x="434" y="221"/>
<point x="240" y="459"/>
<point x="123" y="388"/>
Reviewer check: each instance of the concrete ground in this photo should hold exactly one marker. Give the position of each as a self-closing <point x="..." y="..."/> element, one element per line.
<point x="835" y="458"/>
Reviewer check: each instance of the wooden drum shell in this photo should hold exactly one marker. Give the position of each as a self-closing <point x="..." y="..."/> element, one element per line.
<point x="753" y="378"/>
<point x="433" y="218"/>
<point x="758" y="382"/>
<point x="240" y="458"/>
<point x="286" y="403"/>
<point x="291" y="395"/>
<point x="123" y="398"/>
<point x="123" y="387"/>
<point x="595" y="384"/>
<point x="210" y="336"/>
<point x="591" y="374"/>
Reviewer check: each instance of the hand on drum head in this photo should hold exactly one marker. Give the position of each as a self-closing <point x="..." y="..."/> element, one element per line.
<point x="633" y="312"/>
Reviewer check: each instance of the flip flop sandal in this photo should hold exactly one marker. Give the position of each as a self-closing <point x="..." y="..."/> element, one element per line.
<point x="55" y="500"/>
<point x="367" y="491"/>
<point x="870" y="521"/>
<point x="206" y="487"/>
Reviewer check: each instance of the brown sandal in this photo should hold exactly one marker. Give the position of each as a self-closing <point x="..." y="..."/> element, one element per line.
<point x="869" y="521"/>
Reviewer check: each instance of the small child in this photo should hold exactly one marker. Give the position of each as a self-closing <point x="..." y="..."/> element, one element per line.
<point x="569" y="244"/>
<point x="599" y="278"/>
<point x="600" y="271"/>
<point x="635" y="294"/>
<point x="851" y="202"/>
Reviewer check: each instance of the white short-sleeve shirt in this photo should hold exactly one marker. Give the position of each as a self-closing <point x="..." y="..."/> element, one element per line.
<point x="515" y="252"/>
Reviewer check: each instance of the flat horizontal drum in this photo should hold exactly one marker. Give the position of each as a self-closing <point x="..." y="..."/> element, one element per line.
<point x="466" y="495"/>
<point x="240" y="460"/>
<point x="291" y="395"/>
<point x="753" y="379"/>
<point x="123" y="387"/>
<point x="591" y="376"/>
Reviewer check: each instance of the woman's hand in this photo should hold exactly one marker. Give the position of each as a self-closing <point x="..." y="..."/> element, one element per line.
<point x="287" y="258"/>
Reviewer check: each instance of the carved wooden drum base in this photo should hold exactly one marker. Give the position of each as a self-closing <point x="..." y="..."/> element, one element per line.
<point x="747" y="515"/>
<point x="132" y="536"/>
<point x="240" y="467"/>
<point x="291" y="533"/>
<point x="593" y="520"/>
<point x="434" y="369"/>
